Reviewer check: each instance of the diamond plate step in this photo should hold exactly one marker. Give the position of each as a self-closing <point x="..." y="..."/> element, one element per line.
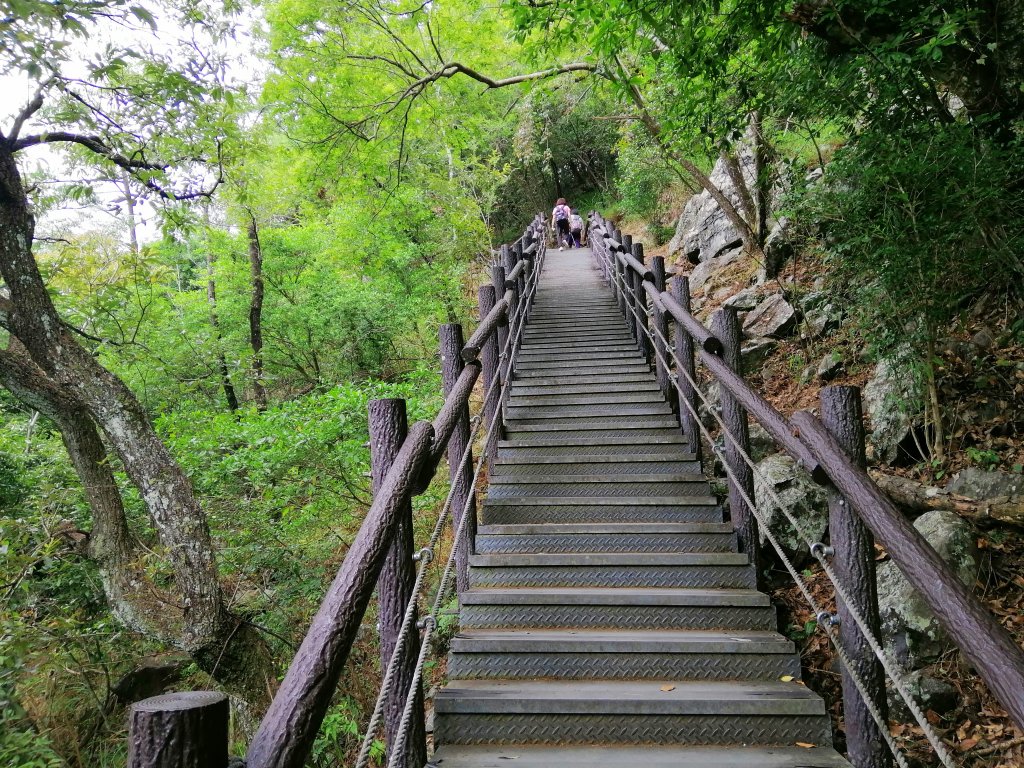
<point x="598" y="450"/>
<point x="584" y="379"/>
<point x="629" y="712"/>
<point x="623" y="608"/>
<point x="577" y="356"/>
<point x="529" y="369"/>
<point x="530" y="434"/>
<point x="716" y="570"/>
<point x="643" y="422"/>
<point x="631" y="485"/>
<point x="544" y="345"/>
<point x="620" y="655"/>
<point x="581" y="336"/>
<point x="583" y="467"/>
<point x="600" y="410"/>
<point x="560" y="397"/>
<point x="609" y="537"/>
<point x="531" y="389"/>
<point x="655" y="509"/>
<point x="611" y="756"/>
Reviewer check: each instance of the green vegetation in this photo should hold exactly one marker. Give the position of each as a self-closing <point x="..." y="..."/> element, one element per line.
<point x="248" y="220"/>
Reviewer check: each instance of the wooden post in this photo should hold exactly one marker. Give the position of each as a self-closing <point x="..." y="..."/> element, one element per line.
<point x="491" y="379"/>
<point x="854" y="562"/>
<point x="179" y="730"/>
<point x="662" y="361"/>
<point x="460" y="473"/>
<point x="630" y="290"/>
<point x="725" y="325"/>
<point x="388" y="428"/>
<point x="498" y="275"/>
<point x="286" y="734"/>
<point x="685" y="352"/>
<point x="642" y="339"/>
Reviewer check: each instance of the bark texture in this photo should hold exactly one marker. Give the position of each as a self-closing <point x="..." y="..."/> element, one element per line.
<point x="256" y="314"/>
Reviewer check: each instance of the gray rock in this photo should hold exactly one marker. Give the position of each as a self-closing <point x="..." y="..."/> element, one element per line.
<point x="909" y="629"/>
<point x="981" y="484"/>
<point x="754" y="354"/>
<point x="761" y="443"/>
<point x="983" y="339"/>
<point x="713" y="403"/>
<point x="814" y="176"/>
<point x="929" y="692"/>
<point x="744" y="301"/>
<point x="820" y="321"/>
<point x="796" y="492"/>
<point x="829" y="366"/>
<point x="812" y="299"/>
<point x="705" y="270"/>
<point x="704" y="231"/>
<point x="772" y="317"/>
<point x="894" y="401"/>
<point x="778" y="247"/>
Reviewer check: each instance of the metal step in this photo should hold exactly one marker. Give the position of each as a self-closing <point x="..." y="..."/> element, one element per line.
<point x="629" y="712"/>
<point x="562" y="398"/>
<point x="577" y="356"/>
<point x="526" y="511"/>
<point x="626" y="411"/>
<point x="572" y="486"/>
<point x="527" y="434"/>
<point x="608" y="537"/>
<point x="575" y="380"/>
<point x="651" y="756"/>
<point x="606" y="367"/>
<point x="623" y="608"/>
<point x="590" y="425"/>
<point x="621" y="655"/>
<point x="542" y="345"/>
<point x="591" y="467"/>
<point x="531" y="389"/>
<point x="715" y="570"/>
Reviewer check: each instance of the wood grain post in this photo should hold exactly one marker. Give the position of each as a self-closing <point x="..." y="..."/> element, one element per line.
<point x="854" y="562"/>
<point x="388" y="427"/>
<point x="489" y="374"/>
<point x="179" y="730"/>
<point x="725" y="325"/>
<point x="630" y="290"/>
<point x="460" y="472"/>
<point x="642" y="338"/>
<point x="498" y="274"/>
<point x="662" y="361"/>
<point x="686" y="373"/>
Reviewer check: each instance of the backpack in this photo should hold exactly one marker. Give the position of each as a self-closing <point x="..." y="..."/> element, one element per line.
<point x="561" y="212"/>
<point x="576" y="222"/>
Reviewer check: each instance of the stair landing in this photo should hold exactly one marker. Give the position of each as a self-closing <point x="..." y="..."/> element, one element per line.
<point x="610" y="618"/>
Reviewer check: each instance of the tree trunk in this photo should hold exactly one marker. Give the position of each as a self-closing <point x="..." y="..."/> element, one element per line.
<point x="256" y="314"/>
<point x="232" y="653"/>
<point x="918" y="497"/>
<point x="222" y="363"/>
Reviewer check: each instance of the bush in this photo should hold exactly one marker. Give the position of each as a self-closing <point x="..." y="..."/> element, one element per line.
<point x="642" y="175"/>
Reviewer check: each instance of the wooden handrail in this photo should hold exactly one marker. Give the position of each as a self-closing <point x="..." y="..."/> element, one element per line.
<point x="471" y="351"/>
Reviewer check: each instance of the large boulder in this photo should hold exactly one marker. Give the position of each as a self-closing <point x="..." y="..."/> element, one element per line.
<point x="704" y="231"/>
<point x="773" y="317"/>
<point x="704" y="271"/>
<point x="778" y="247"/>
<point x="796" y="491"/>
<point x="910" y="631"/>
<point x="978" y="483"/>
<point x="894" y="402"/>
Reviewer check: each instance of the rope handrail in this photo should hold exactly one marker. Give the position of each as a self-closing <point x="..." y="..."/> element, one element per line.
<point x="1001" y="663"/>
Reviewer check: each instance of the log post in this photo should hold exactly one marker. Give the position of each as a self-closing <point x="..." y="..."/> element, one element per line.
<point x="687" y="372"/>
<point x="490" y="375"/>
<point x="661" y="357"/>
<point x="630" y="290"/>
<point x="179" y="730"/>
<point x="388" y="427"/>
<point x="498" y="274"/>
<point x="725" y="325"/>
<point x="460" y="473"/>
<point x="854" y="562"/>
<point x="642" y="338"/>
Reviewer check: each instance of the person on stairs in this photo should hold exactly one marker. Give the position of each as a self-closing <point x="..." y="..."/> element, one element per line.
<point x="576" y="228"/>
<point x="560" y="223"/>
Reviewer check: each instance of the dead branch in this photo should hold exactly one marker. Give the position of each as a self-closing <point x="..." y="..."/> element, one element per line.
<point x="918" y="497"/>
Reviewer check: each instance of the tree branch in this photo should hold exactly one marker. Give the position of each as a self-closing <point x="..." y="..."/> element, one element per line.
<point x="30" y="109"/>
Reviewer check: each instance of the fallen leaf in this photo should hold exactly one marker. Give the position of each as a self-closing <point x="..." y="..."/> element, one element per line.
<point x="787" y="678"/>
<point x="805" y="745"/>
<point x="967" y="744"/>
<point x="667" y="688"/>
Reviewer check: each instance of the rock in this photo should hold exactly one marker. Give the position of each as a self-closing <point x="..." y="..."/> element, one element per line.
<point x="778" y="247"/>
<point x="753" y="355"/>
<point x="744" y="301"/>
<point x="814" y="176"/>
<point x="704" y="231"/>
<point x="703" y="271"/>
<point x="983" y="339"/>
<point x="821" y="320"/>
<point x="795" y="490"/>
<point x="812" y="299"/>
<point x="894" y="401"/>
<point x="929" y="692"/>
<point x="978" y="483"/>
<point x="829" y="366"/>
<point x="772" y="317"/>
<point x="713" y="403"/>
<point x="761" y="443"/>
<point x="909" y="630"/>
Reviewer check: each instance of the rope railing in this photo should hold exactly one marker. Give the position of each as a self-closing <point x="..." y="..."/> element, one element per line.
<point x="999" y="660"/>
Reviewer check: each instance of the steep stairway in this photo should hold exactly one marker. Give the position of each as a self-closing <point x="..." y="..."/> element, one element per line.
<point x="610" y="617"/>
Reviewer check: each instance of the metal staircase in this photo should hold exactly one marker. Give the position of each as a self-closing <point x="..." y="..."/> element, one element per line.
<point x="610" y="617"/>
